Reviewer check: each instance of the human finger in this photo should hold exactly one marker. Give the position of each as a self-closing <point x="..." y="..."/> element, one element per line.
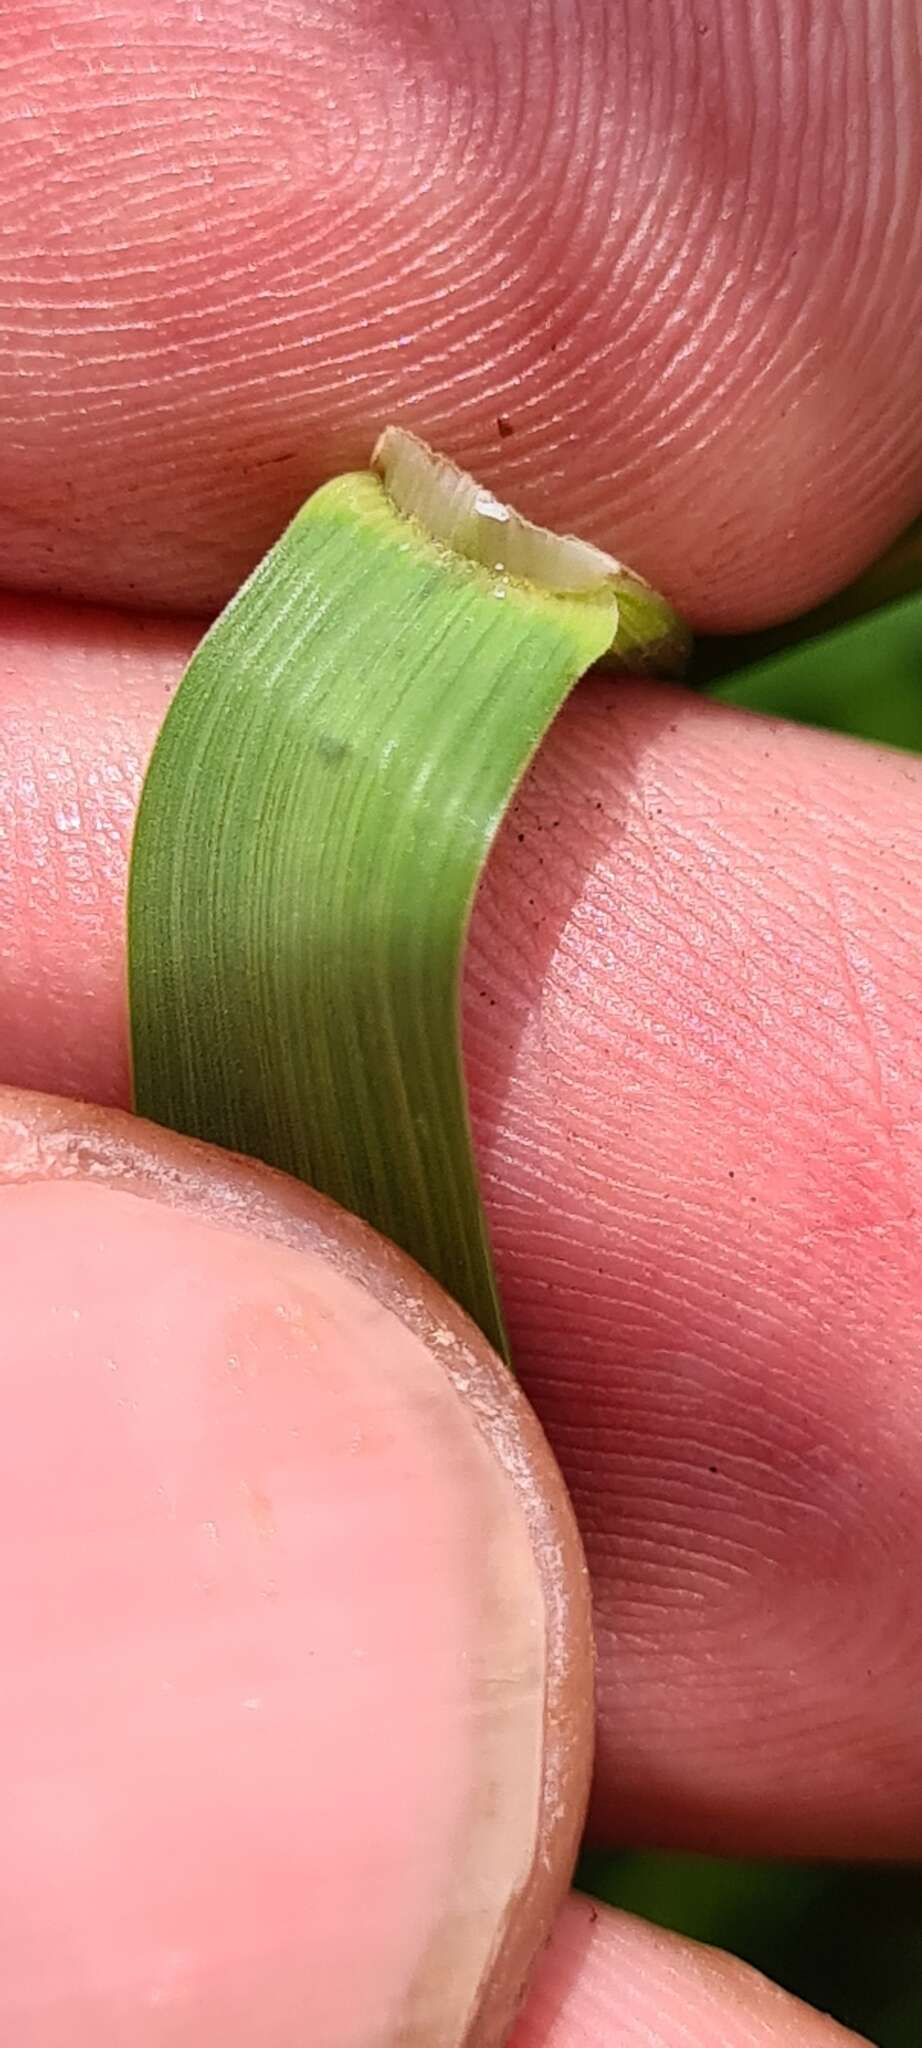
<point x="652" y="270"/>
<point x="609" y="1981"/>
<point x="295" y="1724"/>
<point x="694" y="1052"/>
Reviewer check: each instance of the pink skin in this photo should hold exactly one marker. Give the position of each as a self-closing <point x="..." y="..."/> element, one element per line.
<point x="687" y="269"/>
<point x="678" y="247"/>
<point x="693" y="978"/>
<point x="610" y="1982"/>
<point x="290" y="1585"/>
<point x="249" y="1521"/>
<point x="256" y="1747"/>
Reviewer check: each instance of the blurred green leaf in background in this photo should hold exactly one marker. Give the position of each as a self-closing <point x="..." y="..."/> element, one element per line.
<point x="849" y="1940"/>
<point x="854" y="665"/>
<point x="864" y="678"/>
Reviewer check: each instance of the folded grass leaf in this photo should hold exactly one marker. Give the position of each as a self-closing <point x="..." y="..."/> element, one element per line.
<point x="314" y="821"/>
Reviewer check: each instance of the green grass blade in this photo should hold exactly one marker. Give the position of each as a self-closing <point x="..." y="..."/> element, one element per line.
<point x="313" y="824"/>
<point x="865" y="679"/>
<point x="894" y="576"/>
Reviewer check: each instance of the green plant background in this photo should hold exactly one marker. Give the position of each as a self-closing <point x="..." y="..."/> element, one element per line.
<point x="847" y="1939"/>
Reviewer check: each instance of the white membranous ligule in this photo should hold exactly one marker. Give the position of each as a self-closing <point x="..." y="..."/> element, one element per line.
<point x="456" y="510"/>
<point x="460" y="514"/>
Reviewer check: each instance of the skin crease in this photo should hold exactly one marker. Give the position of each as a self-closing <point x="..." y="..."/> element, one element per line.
<point x="675" y="244"/>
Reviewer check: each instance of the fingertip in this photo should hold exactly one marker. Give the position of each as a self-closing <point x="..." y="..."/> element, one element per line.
<point x="679" y="267"/>
<point x="296" y="1719"/>
<point x="607" y="1978"/>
